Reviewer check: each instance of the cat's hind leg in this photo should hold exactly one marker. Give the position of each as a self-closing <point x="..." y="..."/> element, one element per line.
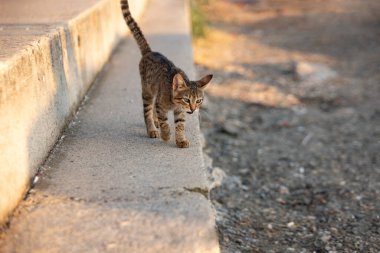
<point x="148" y="102"/>
<point x="162" y="116"/>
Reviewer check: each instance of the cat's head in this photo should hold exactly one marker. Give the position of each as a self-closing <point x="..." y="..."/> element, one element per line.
<point x="189" y="94"/>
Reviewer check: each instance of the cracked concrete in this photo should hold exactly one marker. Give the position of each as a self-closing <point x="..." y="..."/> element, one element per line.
<point x="203" y="191"/>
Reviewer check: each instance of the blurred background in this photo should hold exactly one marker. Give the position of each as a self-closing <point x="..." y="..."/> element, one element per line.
<point x="292" y="122"/>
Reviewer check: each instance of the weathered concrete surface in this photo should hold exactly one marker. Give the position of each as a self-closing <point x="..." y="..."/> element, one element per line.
<point x="50" y="52"/>
<point x="107" y="187"/>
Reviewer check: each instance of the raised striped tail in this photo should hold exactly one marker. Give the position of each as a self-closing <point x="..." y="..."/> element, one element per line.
<point x="135" y="29"/>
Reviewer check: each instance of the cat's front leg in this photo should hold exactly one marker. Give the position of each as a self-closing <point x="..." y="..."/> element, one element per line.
<point x="179" y="120"/>
<point x="162" y="116"/>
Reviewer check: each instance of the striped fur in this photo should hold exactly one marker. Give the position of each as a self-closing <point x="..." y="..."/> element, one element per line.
<point x="164" y="88"/>
<point x="135" y="29"/>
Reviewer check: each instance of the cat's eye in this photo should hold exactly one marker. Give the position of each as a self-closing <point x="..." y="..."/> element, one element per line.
<point x="186" y="100"/>
<point x="199" y="101"/>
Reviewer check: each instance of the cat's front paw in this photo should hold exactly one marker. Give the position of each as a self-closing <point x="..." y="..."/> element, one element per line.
<point x="153" y="134"/>
<point x="165" y="136"/>
<point x="183" y="144"/>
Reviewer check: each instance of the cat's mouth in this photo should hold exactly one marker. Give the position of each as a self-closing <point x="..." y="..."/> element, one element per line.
<point x="190" y="112"/>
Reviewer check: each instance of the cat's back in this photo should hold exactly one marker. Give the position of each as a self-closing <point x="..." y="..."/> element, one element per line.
<point x="157" y="61"/>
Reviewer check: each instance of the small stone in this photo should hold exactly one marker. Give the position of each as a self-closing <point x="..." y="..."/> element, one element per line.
<point x="244" y="187"/>
<point x="291" y="225"/>
<point x="231" y="128"/>
<point x="334" y="230"/>
<point x="307" y="138"/>
<point x="313" y="72"/>
<point x="111" y="246"/>
<point x="216" y="177"/>
<point x="284" y="190"/>
<point x="325" y="237"/>
<point x="299" y="110"/>
<point x="124" y="223"/>
<point x="232" y="182"/>
<point x="35" y="180"/>
<point x="244" y="171"/>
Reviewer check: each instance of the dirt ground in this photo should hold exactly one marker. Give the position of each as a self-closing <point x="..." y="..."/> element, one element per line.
<point x="293" y="119"/>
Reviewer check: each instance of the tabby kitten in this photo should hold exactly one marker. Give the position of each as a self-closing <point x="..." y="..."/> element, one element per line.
<point x="164" y="87"/>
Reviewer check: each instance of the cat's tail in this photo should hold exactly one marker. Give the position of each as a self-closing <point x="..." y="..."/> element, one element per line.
<point x="135" y="29"/>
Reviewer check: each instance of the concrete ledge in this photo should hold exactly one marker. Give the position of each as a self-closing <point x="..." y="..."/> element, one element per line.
<point x="50" y="53"/>
<point x="107" y="187"/>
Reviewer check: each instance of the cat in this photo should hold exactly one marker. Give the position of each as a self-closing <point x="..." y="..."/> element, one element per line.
<point x="164" y="88"/>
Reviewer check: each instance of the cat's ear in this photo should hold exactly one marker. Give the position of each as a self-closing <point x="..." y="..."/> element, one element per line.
<point x="179" y="83"/>
<point x="202" y="83"/>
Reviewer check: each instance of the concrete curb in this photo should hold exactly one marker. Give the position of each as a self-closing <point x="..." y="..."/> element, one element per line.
<point x="107" y="187"/>
<point x="49" y="56"/>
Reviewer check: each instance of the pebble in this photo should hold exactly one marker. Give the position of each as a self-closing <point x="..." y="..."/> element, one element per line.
<point x="35" y="180"/>
<point x="284" y="190"/>
<point x="299" y="110"/>
<point x="313" y="72"/>
<point x="216" y="177"/>
<point x="326" y="237"/>
<point x="232" y="182"/>
<point x="291" y="225"/>
<point x="231" y="128"/>
<point x="244" y="171"/>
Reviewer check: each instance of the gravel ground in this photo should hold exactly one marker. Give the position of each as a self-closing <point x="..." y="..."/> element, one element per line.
<point x="293" y="120"/>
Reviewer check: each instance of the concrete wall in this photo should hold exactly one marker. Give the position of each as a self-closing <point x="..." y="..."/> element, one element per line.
<point x="50" y="53"/>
